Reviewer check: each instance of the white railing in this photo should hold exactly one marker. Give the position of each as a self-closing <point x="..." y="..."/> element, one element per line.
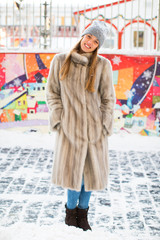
<point x="36" y="25"/>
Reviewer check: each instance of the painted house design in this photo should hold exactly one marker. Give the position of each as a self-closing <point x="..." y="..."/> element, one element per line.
<point x="13" y="100"/>
<point x="32" y="105"/>
<point x="144" y="118"/>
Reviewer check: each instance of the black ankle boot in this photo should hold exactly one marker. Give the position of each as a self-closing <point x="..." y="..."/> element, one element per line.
<point x="71" y="217"/>
<point x="82" y="220"/>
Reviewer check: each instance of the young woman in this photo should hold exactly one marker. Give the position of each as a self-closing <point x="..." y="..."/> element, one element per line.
<point x="80" y="97"/>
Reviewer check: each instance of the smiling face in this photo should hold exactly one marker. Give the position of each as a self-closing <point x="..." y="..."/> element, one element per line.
<point x="89" y="43"/>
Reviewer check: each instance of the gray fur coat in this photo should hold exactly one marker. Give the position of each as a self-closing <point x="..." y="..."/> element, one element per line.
<point x="83" y="120"/>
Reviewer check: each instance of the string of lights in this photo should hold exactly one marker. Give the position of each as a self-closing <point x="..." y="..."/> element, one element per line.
<point x="119" y="15"/>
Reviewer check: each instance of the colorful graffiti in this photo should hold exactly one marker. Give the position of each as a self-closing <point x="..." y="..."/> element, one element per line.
<point x="137" y="86"/>
<point x="136" y="80"/>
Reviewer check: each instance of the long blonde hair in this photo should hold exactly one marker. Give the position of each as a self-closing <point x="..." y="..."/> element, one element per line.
<point x="92" y="67"/>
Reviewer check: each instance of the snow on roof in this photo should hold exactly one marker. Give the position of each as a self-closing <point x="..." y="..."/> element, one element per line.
<point x="17" y="112"/>
<point x="6" y="92"/>
<point x="31" y="103"/>
<point x="157" y="105"/>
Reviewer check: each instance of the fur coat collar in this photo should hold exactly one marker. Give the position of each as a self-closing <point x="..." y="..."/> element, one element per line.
<point x="83" y="59"/>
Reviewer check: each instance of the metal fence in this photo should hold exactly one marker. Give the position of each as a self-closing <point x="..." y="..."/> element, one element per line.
<point x="36" y="25"/>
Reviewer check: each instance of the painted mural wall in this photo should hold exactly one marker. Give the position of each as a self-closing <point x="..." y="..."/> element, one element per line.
<point x="23" y="77"/>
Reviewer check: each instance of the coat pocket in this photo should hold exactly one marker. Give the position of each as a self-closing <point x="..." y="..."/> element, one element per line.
<point x="55" y="119"/>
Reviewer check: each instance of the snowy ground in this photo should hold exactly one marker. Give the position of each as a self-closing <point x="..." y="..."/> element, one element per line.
<point x="33" y="209"/>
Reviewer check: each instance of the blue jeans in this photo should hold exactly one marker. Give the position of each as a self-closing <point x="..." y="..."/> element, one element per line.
<point x="74" y="196"/>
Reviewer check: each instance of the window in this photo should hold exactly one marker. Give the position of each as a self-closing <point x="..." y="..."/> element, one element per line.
<point x="138" y="40"/>
<point x="140" y="123"/>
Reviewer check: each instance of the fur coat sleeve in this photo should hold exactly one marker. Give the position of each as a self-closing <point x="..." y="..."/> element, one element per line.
<point x="53" y="96"/>
<point x="107" y="94"/>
